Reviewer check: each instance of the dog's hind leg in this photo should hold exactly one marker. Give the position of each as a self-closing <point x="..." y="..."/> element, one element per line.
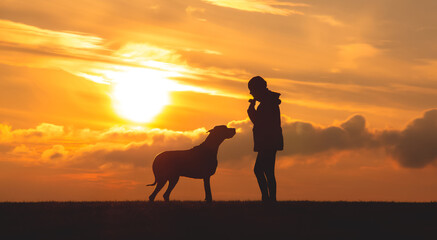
<point x="171" y="184"/>
<point x="159" y="185"/>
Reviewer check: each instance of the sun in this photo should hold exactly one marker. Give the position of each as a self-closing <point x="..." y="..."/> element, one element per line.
<point x="140" y="95"/>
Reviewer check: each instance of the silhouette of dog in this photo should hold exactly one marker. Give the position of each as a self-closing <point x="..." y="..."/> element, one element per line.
<point x="199" y="162"/>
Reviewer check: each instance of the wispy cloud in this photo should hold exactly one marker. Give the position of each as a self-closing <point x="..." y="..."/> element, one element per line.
<point x="86" y="56"/>
<point x="31" y="36"/>
<point x="193" y="12"/>
<point x="261" y="6"/>
<point x="329" y="20"/>
<point x="350" y="54"/>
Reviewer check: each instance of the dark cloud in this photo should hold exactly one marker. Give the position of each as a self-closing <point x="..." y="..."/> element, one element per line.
<point x="304" y="138"/>
<point x="56" y="153"/>
<point x="417" y="144"/>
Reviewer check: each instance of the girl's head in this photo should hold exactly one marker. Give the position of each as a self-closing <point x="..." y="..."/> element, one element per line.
<point x="257" y="86"/>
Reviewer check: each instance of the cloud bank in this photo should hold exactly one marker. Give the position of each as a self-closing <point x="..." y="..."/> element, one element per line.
<point x="412" y="147"/>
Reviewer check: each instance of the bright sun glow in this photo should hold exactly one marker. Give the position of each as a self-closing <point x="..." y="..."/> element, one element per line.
<point x="140" y="94"/>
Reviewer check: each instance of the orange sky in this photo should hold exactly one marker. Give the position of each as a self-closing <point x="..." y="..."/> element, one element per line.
<point x="91" y="91"/>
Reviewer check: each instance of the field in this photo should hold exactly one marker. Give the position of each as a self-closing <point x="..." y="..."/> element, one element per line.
<point x="218" y="220"/>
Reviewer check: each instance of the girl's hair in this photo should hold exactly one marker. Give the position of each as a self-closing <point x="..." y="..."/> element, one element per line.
<point x="257" y="82"/>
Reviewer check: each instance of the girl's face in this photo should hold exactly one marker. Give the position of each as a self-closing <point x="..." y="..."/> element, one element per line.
<point x="256" y="93"/>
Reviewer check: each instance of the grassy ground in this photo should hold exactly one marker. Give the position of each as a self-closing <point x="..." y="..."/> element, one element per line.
<point x="218" y="220"/>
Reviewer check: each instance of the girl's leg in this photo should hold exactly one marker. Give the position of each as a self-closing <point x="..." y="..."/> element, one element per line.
<point x="270" y="174"/>
<point x="260" y="176"/>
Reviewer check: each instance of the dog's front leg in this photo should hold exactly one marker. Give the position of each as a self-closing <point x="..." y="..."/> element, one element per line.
<point x="208" y="195"/>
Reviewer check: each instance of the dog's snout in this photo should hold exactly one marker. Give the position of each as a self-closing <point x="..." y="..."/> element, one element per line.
<point x="232" y="132"/>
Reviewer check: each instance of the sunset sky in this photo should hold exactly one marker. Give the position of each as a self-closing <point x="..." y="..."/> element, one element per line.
<point x="91" y="91"/>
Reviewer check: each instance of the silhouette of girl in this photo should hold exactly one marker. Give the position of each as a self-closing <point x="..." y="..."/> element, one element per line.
<point x="267" y="135"/>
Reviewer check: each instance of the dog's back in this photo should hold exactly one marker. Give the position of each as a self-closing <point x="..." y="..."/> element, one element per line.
<point x="194" y="163"/>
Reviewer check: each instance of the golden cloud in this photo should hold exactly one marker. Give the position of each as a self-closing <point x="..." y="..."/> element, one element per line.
<point x="261" y="6"/>
<point x="54" y="154"/>
<point x="43" y="132"/>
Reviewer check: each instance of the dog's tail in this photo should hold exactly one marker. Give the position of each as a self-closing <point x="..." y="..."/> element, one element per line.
<point x="153" y="184"/>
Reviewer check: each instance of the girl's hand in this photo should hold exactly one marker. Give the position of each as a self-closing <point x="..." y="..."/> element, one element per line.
<point x="252" y="103"/>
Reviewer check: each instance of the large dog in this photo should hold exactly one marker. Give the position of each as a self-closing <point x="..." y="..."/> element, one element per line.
<point x="199" y="162"/>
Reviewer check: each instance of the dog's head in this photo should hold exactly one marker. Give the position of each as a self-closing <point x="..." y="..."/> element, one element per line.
<point x="223" y="132"/>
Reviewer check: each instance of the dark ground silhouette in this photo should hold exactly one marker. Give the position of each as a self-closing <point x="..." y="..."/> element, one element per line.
<point x="218" y="220"/>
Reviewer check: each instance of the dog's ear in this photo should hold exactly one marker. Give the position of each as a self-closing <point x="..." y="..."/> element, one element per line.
<point x="212" y="129"/>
